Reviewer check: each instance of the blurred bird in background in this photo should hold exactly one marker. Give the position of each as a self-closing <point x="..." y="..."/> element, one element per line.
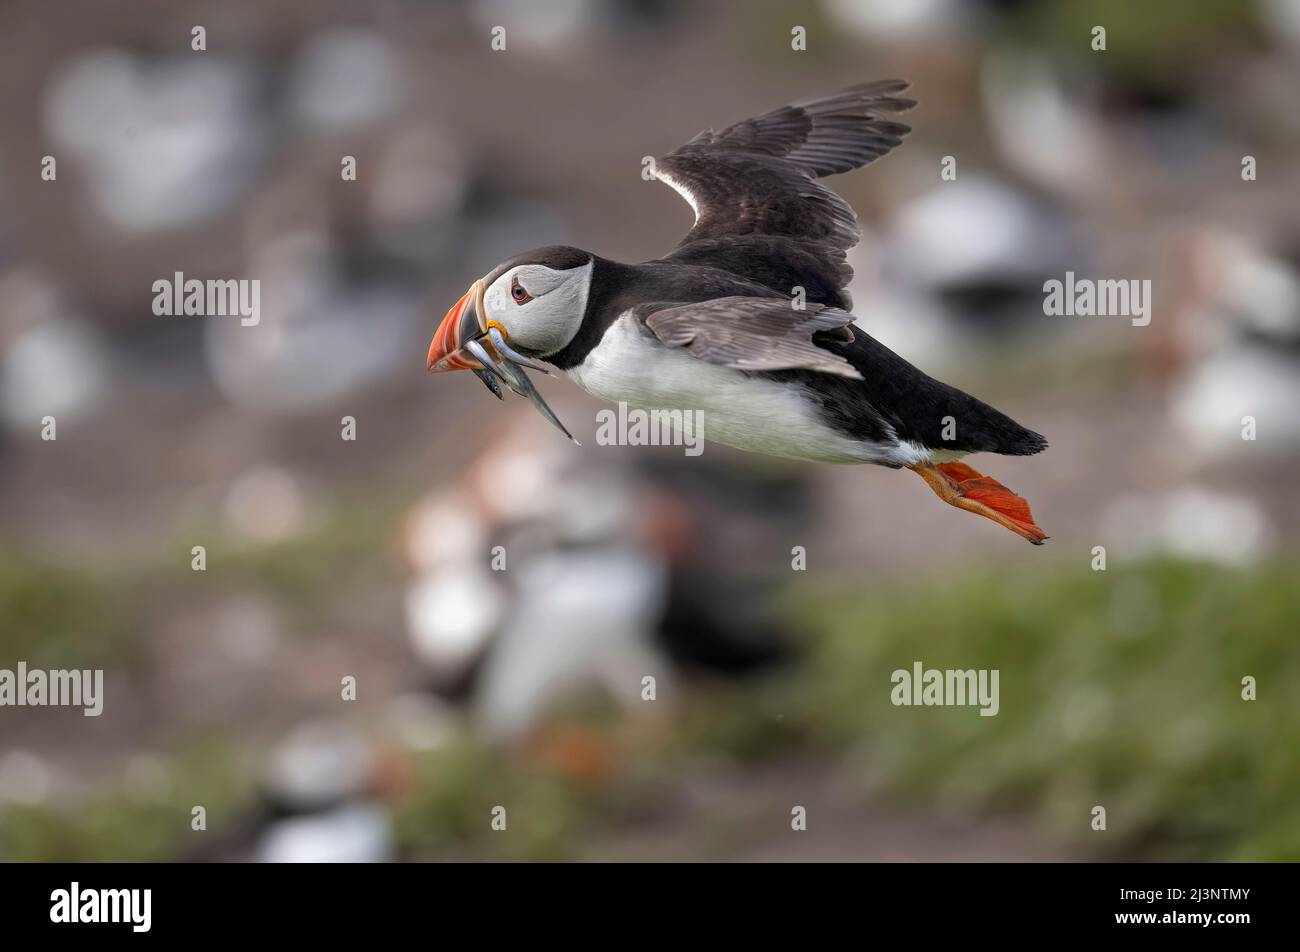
<point x="595" y="576"/>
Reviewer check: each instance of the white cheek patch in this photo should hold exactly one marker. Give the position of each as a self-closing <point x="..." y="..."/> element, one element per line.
<point x="547" y="323"/>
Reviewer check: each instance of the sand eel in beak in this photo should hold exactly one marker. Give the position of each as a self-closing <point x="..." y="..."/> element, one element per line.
<point x="747" y="320"/>
<point x="464" y="341"/>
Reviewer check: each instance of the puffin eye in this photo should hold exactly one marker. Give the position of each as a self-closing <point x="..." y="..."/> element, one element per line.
<point x="518" y="293"/>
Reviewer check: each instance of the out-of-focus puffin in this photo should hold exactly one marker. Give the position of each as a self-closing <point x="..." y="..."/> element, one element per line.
<point x="746" y="320"/>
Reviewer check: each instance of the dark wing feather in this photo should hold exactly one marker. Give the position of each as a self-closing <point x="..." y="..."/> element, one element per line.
<point x="757" y="334"/>
<point x="757" y="177"/>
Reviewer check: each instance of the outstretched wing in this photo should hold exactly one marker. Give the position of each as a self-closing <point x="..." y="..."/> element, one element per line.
<point x="757" y="334"/>
<point x="758" y="177"/>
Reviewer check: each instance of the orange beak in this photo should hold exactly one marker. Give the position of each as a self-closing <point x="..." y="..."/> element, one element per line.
<point x="460" y="326"/>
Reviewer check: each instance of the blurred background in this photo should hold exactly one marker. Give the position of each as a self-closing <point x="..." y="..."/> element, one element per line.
<point x="525" y="688"/>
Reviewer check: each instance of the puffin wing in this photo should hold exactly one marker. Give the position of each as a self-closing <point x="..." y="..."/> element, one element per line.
<point x="758" y="177"/>
<point x="756" y="334"/>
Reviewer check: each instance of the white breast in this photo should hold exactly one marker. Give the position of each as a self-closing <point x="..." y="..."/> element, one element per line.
<point x="750" y="413"/>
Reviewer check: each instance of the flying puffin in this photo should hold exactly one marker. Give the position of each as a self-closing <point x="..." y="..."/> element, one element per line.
<point x="747" y="320"/>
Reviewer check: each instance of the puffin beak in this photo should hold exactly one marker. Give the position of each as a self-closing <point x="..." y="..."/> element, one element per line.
<point x="460" y="327"/>
<point x="462" y="342"/>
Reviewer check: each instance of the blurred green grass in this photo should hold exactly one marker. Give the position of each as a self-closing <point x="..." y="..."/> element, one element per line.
<point x="79" y="615"/>
<point x="1156" y="40"/>
<point x="1119" y="688"/>
<point x="62" y="617"/>
<point x="130" y="820"/>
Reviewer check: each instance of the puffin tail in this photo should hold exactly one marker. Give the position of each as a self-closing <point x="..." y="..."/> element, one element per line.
<point x="960" y="485"/>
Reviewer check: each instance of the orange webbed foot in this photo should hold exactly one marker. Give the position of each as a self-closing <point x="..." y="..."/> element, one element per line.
<point x="962" y="486"/>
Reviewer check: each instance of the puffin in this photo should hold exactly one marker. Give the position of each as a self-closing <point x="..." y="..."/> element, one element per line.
<point x="747" y="322"/>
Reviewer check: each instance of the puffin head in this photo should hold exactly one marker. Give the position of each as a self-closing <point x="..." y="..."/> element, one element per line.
<point x="528" y="307"/>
